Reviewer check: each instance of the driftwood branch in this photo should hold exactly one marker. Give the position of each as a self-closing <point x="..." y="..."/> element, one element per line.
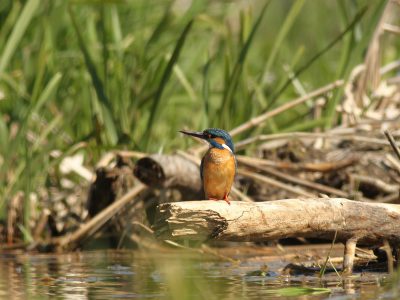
<point x="360" y="223"/>
<point x="70" y="241"/>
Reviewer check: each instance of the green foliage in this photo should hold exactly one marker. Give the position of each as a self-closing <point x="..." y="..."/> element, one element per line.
<point x="130" y="74"/>
<point x="17" y="33"/>
<point x="164" y="80"/>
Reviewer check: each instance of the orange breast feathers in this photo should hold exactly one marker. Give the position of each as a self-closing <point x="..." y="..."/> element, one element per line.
<point x="219" y="169"/>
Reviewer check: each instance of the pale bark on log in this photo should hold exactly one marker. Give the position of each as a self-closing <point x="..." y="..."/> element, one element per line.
<point x="369" y="223"/>
<point x="361" y="223"/>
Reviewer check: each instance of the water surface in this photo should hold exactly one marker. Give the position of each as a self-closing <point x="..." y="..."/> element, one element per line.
<point x="175" y="274"/>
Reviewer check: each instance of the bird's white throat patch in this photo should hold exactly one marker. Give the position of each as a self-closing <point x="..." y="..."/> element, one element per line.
<point x="226" y="147"/>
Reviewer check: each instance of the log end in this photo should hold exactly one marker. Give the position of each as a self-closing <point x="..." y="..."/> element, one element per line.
<point x="149" y="171"/>
<point x="180" y="222"/>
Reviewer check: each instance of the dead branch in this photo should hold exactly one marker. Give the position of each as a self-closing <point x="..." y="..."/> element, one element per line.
<point x="295" y="190"/>
<point x="392" y="142"/>
<point x="71" y="240"/>
<point x="309" y="167"/>
<point x="289" y="178"/>
<point x="350" y="136"/>
<point x="376" y="182"/>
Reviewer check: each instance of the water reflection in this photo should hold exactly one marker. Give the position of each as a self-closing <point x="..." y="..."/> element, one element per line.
<point x="166" y="275"/>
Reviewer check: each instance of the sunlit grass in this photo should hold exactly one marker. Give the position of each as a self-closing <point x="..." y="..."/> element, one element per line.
<point x="127" y="74"/>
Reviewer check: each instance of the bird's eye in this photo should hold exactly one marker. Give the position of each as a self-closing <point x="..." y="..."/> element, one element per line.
<point x="209" y="136"/>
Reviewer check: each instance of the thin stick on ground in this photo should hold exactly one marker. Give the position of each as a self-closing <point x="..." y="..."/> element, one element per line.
<point x="93" y="225"/>
<point x="376" y="182"/>
<point x="272" y="182"/>
<point x="392" y="143"/>
<point x="311" y="135"/>
<point x="308" y="167"/>
<point x="312" y="185"/>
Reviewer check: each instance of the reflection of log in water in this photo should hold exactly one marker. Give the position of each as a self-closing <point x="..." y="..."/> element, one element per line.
<point x="368" y="224"/>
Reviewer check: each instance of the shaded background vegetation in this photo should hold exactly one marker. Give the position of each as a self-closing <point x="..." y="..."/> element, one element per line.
<point x="92" y="76"/>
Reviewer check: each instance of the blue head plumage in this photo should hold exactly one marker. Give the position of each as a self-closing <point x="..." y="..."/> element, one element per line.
<point x="214" y="136"/>
<point x="212" y="133"/>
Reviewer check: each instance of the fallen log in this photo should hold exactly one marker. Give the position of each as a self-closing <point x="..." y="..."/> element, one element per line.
<point x="355" y="223"/>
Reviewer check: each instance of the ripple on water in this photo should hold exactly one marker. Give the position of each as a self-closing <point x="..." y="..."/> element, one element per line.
<point x="174" y="275"/>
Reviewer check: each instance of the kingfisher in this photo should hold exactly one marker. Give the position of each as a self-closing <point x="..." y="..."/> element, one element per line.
<point x="218" y="166"/>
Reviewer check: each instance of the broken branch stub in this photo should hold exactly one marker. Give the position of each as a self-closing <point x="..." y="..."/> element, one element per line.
<point x="168" y="171"/>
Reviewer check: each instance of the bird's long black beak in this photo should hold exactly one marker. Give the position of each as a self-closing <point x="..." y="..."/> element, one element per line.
<point x="194" y="133"/>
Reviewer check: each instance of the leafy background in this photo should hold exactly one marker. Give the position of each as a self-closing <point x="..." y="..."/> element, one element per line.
<point x="93" y="76"/>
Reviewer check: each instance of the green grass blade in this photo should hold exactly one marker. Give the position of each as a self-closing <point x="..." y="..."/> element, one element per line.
<point x="48" y="91"/>
<point x="358" y="52"/>
<point x="287" y="25"/>
<point x="348" y="42"/>
<point x="107" y="120"/>
<point x="40" y="70"/>
<point x="46" y="132"/>
<point x="18" y="32"/>
<point x="164" y="79"/>
<point x="105" y="54"/>
<point x="8" y="17"/>
<point x="323" y="269"/>
<point x="15" y="87"/>
<point x="6" y="192"/>
<point x="184" y="81"/>
<point x="159" y="29"/>
<point x="116" y="30"/>
<point x="205" y="91"/>
<point x="232" y="83"/>
<point x="27" y="236"/>
<point x="34" y="108"/>
<point x="3" y="138"/>
<point x="303" y="68"/>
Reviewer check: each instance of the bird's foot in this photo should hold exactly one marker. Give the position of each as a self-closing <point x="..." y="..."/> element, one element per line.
<point x="225" y="199"/>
